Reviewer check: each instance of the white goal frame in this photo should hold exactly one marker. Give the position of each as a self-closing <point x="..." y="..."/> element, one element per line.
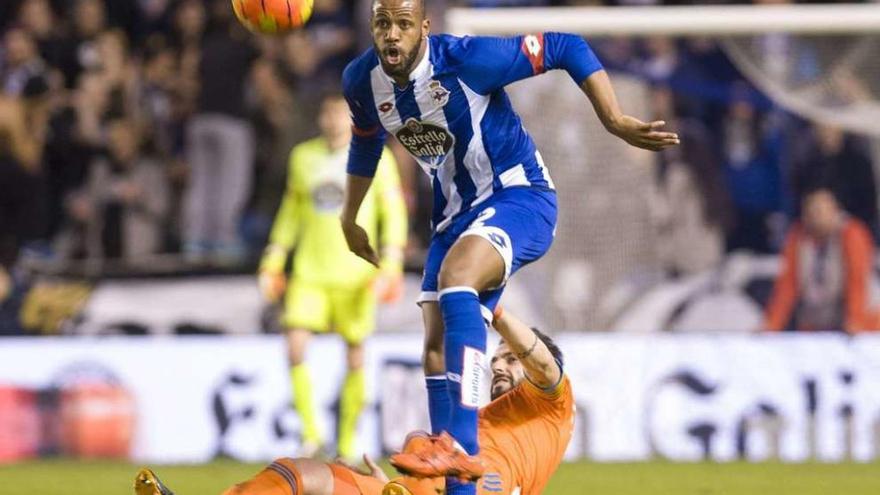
<point x="696" y="20"/>
<point x="719" y="21"/>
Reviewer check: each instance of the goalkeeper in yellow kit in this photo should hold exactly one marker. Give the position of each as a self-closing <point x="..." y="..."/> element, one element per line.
<point x="329" y="287"/>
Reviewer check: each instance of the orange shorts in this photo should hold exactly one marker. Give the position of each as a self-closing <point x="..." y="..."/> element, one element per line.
<point x="348" y="482"/>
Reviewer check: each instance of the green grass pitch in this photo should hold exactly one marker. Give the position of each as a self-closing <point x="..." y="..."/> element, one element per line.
<point x="657" y="478"/>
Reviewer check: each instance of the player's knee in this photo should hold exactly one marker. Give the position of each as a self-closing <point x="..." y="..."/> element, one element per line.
<point x="315" y="477"/>
<point x="433" y="361"/>
<point x="355" y="357"/>
<point x="454" y="276"/>
<point x="295" y="356"/>
<point x="472" y="262"/>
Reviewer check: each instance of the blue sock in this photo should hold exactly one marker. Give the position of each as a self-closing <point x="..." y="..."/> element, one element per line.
<point x="456" y="487"/>
<point x="438" y="403"/>
<point x="464" y="351"/>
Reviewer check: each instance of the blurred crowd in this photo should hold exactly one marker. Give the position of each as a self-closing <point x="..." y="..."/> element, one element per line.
<point x="131" y="128"/>
<point x="134" y="128"/>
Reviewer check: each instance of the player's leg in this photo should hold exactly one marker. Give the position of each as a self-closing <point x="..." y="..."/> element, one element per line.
<point x="433" y="361"/>
<point x="354" y="317"/>
<point x="282" y="477"/>
<point x="434" y="365"/>
<point x="306" y="311"/>
<point x="301" y="386"/>
<point x="514" y="229"/>
<point x="287" y="476"/>
<point x="351" y="401"/>
<point x="471" y="266"/>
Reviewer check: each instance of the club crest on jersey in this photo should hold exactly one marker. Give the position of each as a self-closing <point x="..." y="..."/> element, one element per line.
<point x="328" y="196"/>
<point x="429" y="143"/>
<point x="439" y="94"/>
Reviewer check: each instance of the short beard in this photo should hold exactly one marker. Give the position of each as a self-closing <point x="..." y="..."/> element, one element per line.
<point x="494" y="396"/>
<point x="406" y="68"/>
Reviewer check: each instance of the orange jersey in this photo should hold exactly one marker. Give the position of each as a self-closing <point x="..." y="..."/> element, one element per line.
<point x="523" y="435"/>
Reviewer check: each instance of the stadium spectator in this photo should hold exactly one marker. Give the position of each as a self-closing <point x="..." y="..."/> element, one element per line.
<point x="22" y="133"/>
<point x="691" y="207"/>
<point x="121" y="211"/>
<point x="78" y="51"/>
<point x="21" y="68"/>
<point x="220" y="141"/>
<point x="826" y="270"/>
<point x="751" y="144"/>
<point x="843" y="164"/>
<point x="76" y="127"/>
<point x="332" y="34"/>
<point x="37" y="18"/>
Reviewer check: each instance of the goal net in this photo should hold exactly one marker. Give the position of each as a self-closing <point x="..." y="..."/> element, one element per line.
<point x="815" y="63"/>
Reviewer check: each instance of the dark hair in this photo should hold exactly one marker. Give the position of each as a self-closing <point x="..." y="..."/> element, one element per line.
<point x="420" y="6"/>
<point x="551" y="346"/>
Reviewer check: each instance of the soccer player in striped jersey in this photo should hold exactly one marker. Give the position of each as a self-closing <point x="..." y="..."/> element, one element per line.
<point x="494" y="207"/>
<point x="524" y="433"/>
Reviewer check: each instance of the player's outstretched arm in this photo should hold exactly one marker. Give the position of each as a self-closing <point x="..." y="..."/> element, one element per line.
<point x="356" y="188"/>
<point x="540" y="367"/>
<point x="645" y="135"/>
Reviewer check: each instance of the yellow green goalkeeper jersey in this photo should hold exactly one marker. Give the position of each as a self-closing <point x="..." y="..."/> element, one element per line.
<point x="308" y="219"/>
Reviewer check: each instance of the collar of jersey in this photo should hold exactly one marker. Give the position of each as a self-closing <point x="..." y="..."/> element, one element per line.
<point x="422" y="68"/>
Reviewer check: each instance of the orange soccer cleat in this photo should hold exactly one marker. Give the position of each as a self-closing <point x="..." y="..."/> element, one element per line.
<point x="437" y="458"/>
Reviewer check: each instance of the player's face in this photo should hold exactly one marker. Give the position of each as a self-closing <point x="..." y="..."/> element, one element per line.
<point x="821" y="213"/>
<point x="334" y="121"/>
<point x="399" y="30"/>
<point x="507" y="371"/>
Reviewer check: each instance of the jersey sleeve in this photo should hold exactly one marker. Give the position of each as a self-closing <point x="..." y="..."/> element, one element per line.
<point x="392" y="208"/>
<point x="286" y="224"/>
<point x="489" y="63"/>
<point x="552" y="396"/>
<point x="367" y="134"/>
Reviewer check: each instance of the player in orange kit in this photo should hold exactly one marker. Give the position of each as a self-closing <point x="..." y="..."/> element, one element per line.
<point x="523" y="434"/>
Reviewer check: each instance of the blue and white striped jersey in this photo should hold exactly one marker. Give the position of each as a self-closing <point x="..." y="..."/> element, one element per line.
<point x="454" y="116"/>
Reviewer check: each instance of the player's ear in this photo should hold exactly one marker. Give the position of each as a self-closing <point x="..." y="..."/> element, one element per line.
<point x="426" y="27"/>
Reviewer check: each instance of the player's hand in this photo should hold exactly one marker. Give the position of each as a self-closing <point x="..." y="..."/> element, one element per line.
<point x="359" y="243"/>
<point x="645" y="135"/>
<point x="388" y="287"/>
<point x="497" y="314"/>
<point x="272" y="285"/>
<point x="375" y="470"/>
<point x="372" y="468"/>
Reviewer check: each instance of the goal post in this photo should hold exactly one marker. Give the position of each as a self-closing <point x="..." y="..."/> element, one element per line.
<point x="695" y="20"/>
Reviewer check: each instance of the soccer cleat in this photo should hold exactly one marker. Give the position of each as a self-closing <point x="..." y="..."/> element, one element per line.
<point x="407" y="485"/>
<point x="417" y="441"/>
<point x="441" y="457"/>
<point x="147" y="483"/>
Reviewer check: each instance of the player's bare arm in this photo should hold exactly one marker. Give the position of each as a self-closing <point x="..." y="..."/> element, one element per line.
<point x="540" y="367"/>
<point x="356" y="188"/>
<point x="645" y="135"/>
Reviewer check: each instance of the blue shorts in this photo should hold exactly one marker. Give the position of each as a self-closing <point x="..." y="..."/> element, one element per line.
<point x="520" y="223"/>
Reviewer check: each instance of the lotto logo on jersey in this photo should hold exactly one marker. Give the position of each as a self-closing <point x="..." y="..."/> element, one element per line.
<point x="533" y="48"/>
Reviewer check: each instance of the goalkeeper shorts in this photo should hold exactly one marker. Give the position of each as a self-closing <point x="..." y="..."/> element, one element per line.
<point x="349" y="312"/>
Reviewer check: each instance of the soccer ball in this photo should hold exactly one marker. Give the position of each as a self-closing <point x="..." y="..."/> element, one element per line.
<point x="272" y="16"/>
